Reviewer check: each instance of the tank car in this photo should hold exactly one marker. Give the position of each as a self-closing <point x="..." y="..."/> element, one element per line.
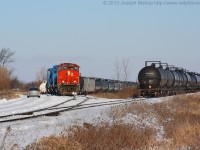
<point x="156" y="80"/>
<point x="42" y="88"/>
<point x="152" y="77"/>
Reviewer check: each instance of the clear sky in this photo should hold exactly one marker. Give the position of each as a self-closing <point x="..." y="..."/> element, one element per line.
<point x="97" y="33"/>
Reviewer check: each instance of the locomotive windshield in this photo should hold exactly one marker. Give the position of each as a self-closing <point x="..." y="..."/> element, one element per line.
<point x="68" y="68"/>
<point x="73" y="68"/>
<point x="65" y="68"/>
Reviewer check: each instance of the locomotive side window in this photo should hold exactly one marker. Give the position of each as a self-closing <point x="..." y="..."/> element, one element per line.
<point x="71" y="68"/>
<point x="76" y="68"/>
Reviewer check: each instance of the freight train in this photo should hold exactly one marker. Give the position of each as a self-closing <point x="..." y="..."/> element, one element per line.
<point x="65" y="79"/>
<point x="160" y="79"/>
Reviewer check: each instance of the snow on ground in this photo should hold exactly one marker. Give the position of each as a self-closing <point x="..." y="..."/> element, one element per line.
<point x="30" y="104"/>
<point x="25" y="132"/>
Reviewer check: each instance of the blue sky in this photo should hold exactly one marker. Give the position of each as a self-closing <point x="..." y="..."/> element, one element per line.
<point x="95" y="36"/>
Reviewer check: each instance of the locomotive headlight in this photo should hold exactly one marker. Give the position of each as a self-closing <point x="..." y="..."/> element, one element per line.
<point x="74" y="81"/>
<point x="63" y="81"/>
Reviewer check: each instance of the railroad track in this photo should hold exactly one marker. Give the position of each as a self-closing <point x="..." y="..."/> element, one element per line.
<point x="30" y="105"/>
<point x="56" y="110"/>
<point x="40" y="112"/>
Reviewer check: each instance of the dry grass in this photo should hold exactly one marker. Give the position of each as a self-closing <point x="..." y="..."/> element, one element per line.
<point x="113" y="137"/>
<point x="10" y="94"/>
<point x="136" y="108"/>
<point x="179" y="117"/>
<point x="123" y="94"/>
<point x="54" y="143"/>
<point x="182" y="122"/>
<point x="106" y="137"/>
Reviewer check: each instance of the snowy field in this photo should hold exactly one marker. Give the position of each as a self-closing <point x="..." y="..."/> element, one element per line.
<point x="25" y="132"/>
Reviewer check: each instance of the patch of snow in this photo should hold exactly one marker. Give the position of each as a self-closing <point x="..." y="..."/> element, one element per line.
<point x="3" y="101"/>
<point x="25" y="132"/>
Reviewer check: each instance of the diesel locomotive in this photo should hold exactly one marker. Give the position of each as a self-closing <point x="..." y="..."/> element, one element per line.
<point x="63" y="79"/>
<point x="159" y="79"/>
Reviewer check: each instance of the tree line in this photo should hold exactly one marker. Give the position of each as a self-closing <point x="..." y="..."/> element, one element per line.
<point x="8" y="81"/>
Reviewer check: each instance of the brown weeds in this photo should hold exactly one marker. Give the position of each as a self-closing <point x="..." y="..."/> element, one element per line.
<point x="9" y="94"/>
<point x="123" y="94"/>
<point x="113" y="137"/>
<point x="180" y="118"/>
<point x="183" y="124"/>
<point x="54" y="143"/>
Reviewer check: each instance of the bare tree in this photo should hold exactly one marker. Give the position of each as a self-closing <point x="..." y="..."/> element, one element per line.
<point x="117" y="70"/>
<point x="41" y="75"/>
<point x="126" y="69"/>
<point x="6" y="56"/>
<point x="122" y="68"/>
